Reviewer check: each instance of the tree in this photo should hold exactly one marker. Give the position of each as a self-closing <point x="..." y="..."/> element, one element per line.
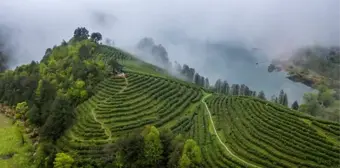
<point x="59" y="120"/>
<point x="115" y="66"/>
<point x="178" y="67"/>
<point x="235" y="89"/>
<point x="184" y="162"/>
<point x="3" y="61"/>
<point x="206" y="83"/>
<point x="177" y="145"/>
<point x="295" y="105"/>
<point x="81" y="33"/>
<point x="128" y="150"/>
<point x="160" y="53"/>
<point x="145" y="44"/>
<point x="185" y="71"/>
<point x="63" y="160"/>
<point x="84" y="52"/>
<point x="48" y="52"/>
<point x="191" y="155"/>
<point x="326" y="98"/>
<point x="153" y="149"/>
<point x="322" y="88"/>
<point x="202" y="81"/>
<point x="34" y="115"/>
<point x="247" y="91"/>
<point x="311" y="104"/>
<point x="197" y="78"/>
<point x="191" y="73"/>
<point x="21" y="109"/>
<point x="63" y="43"/>
<point x="243" y="89"/>
<point x="285" y="100"/>
<point x="281" y="96"/>
<point x="261" y="95"/>
<point x="225" y="87"/>
<point x="96" y="37"/>
<point x="218" y="85"/>
<point x="253" y="93"/>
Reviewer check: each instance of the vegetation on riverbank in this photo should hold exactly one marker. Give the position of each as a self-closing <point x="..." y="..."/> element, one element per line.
<point x="319" y="68"/>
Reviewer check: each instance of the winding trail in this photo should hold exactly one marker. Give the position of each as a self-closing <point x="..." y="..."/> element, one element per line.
<point x="218" y="137"/>
<point x="106" y="129"/>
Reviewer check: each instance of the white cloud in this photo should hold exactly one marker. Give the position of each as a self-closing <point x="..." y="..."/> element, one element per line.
<point x="275" y="26"/>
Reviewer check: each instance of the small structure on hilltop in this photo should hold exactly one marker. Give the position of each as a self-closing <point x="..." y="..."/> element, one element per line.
<point x="122" y="75"/>
<point x="116" y="68"/>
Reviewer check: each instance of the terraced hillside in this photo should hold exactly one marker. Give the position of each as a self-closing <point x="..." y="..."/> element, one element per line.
<point x="260" y="134"/>
<point x="232" y="131"/>
<point x="123" y="104"/>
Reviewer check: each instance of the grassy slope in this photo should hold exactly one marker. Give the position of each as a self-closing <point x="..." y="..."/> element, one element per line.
<point x="11" y="143"/>
<point x="271" y="135"/>
<point x="256" y="132"/>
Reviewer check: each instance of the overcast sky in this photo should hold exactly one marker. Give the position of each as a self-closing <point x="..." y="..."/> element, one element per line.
<point x="275" y="26"/>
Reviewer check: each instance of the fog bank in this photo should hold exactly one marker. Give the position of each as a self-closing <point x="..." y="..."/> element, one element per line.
<point x="184" y="28"/>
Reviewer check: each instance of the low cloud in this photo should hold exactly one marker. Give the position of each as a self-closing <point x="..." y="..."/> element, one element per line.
<point x="184" y="28"/>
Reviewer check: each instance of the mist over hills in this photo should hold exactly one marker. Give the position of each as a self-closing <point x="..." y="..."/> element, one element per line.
<point x="193" y="32"/>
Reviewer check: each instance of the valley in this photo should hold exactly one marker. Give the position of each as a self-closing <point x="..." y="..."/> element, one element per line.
<point x="100" y="106"/>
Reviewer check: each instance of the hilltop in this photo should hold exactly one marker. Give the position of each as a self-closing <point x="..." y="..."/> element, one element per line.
<point x="87" y="104"/>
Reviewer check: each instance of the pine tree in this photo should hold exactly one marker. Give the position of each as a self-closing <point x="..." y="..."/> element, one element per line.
<point x="285" y="100"/>
<point x="225" y="87"/>
<point x="206" y="83"/>
<point x="295" y="105"/>
<point x="247" y="91"/>
<point x="196" y="79"/>
<point x="254" y="93"/>
<point x="237" y="89"/>
<point x="202" y="81"/>
<point x="281" y="97"/>
<point x="273" y="98"/>
<point x="191" y="73"/>
<point x="261" y="95"/>
<point x="185" y="71"/>
<point x="178" y="67"/>
<point x="218" y="86"/>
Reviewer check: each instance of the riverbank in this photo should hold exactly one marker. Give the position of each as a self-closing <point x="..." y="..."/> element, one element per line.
<point x="329" y="88"/>
<point x="306" y="76"/>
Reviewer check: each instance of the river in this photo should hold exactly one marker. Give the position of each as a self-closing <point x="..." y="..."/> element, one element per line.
<point x="236" y="64"/>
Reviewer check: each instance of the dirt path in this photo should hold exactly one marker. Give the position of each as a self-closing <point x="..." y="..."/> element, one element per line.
<point x="218" y="137"/>
<point x="107" y="130"/>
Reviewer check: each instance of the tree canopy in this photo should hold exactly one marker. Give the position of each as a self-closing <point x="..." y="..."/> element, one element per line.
<point x="81" y="33"/>
<point x="96" y="37"/>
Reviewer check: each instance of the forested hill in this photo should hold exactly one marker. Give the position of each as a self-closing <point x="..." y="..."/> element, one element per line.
<point x="86" y="104"/>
